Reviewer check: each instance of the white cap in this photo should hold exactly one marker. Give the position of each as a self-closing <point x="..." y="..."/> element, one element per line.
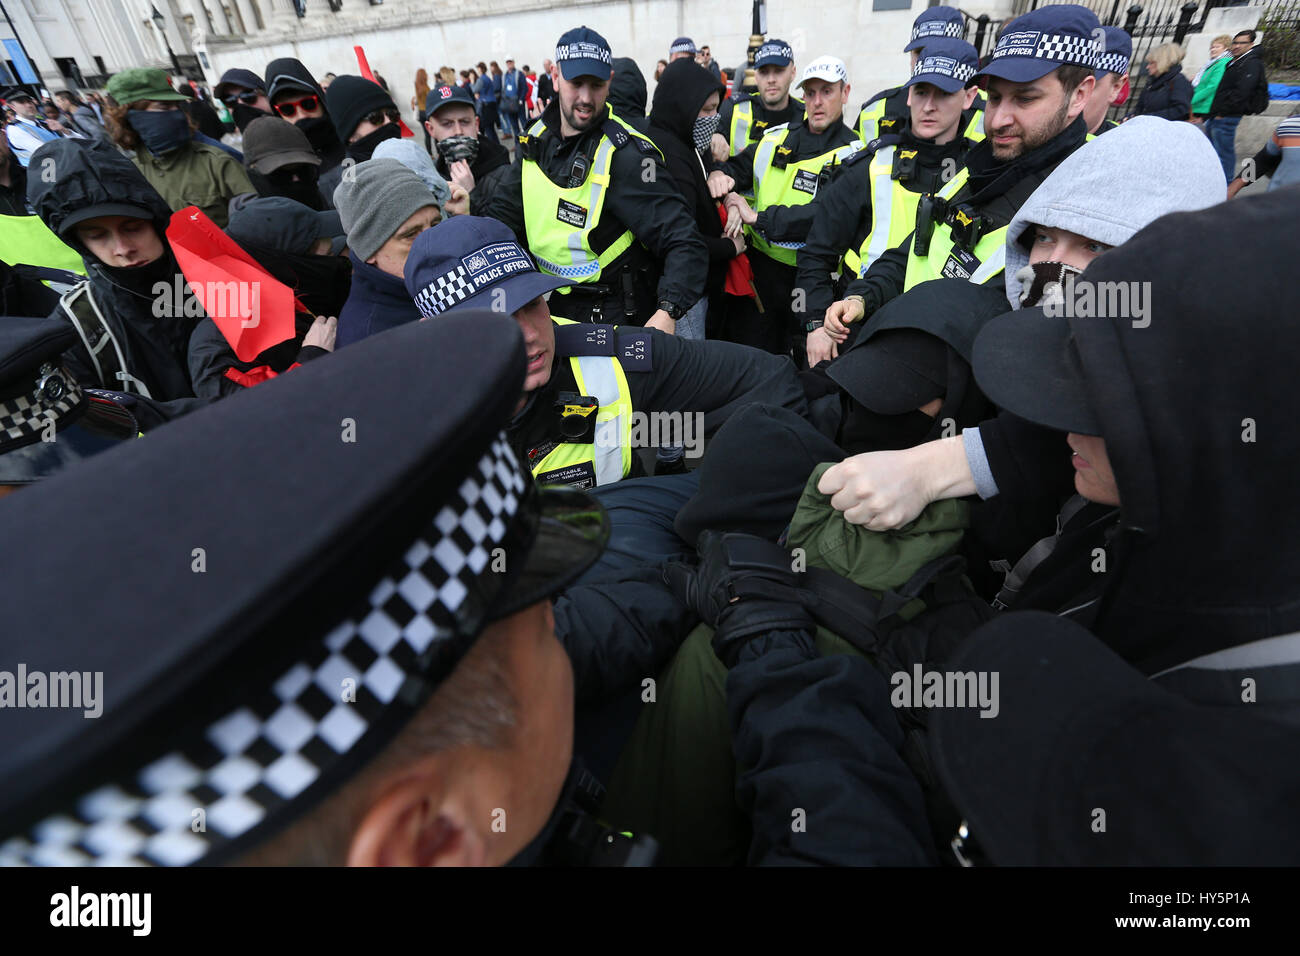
<point x="828" y="68"/>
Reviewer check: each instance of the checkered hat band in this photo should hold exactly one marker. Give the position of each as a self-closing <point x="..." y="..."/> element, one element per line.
<point x="583" y="50"/>
<point x="944" y="66"/>
<point x="447" y="291"/>
<point x="1057" y="47"/>
<point x="775" y="50"/>
<point x="939" y="28"/>
<point x="682" y="48"/>
<point x="255" y="759"/>
<point x="30" y="416"/>
<point x="1113" y="63"/>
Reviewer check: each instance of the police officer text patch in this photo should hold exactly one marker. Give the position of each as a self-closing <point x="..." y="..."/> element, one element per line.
<point x="571" y="214"/>
<point x="581" y="475"/>
<point x="805" y="182"/>
<point x="960" y="265"/>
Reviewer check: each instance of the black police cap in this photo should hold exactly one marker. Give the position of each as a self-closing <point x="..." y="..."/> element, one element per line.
<point x="339" y="523"/>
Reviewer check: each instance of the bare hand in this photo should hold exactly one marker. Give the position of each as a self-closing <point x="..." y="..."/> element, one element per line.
<point x="662" y="321"/>
<point x="736" y="203"/>
<point x="840" y="315"/>
<point x="821" y="347"/>
<point x="322" y="333"/>
<point x="1236" y="186"/>
<point x="721" y="148"/>
<point x="458" y="204"/>
<point x="461" y="176"/>
<point x="720" y="184"/>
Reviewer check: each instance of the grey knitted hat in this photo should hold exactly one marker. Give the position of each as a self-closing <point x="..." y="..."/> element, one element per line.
<point x="374" y="199"/>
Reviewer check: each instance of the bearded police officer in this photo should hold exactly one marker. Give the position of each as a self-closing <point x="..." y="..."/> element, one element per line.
<point x="743" y="122"/>
<point x="885" y="112"/>
<point x="574" y="418"/>
<point x="871" y="206"/>
<point x="1040" y="77"/>
<point x="592" y="200"/>
<point x="785" y="168"/>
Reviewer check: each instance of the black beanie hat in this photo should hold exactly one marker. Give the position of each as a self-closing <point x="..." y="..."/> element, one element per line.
<point x="350" y="98"/>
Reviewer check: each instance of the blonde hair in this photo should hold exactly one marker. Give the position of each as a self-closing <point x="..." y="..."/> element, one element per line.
<point x="1223" y="40"/>
<point x="1165" y="56"/>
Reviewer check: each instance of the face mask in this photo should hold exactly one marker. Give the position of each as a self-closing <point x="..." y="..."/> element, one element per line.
<point x="1041" y="282"/>
<point x="243" y="115"/>
<point x="702" y="131"/>
<point x="304" y="190"/>
<point x="320" y="133"/>
<point x="162" y="131"/>
<point x="455" y="148"/>
<point x="363" y="148"/>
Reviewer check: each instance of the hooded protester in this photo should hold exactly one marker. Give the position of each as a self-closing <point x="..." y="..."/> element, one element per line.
<point x="1160" y="414"/>
<point x="1098" y="198"/>
<point x="101" y="205"/>
<point x="148" y="122"/>
<point x="281" y="162"/>
<point x="383" y="207"/>
<point x="627" y="91"/>
<point x="364" y="115"/>
<point x="414" y="158"/>
<point x="684" y="115"/>
<point x="302" y="248"/>
<point x="297" y="97"/>
<point x="244" y="93"/>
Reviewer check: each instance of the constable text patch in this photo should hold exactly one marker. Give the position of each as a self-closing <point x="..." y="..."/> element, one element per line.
<point x="805" y="182"/>
<point x="960" y="265"/>
<point x="571" y="214"/>
<point x="582" y="475"/>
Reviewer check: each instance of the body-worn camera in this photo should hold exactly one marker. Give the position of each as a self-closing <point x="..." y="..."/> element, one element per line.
<point x="576" y="417"/>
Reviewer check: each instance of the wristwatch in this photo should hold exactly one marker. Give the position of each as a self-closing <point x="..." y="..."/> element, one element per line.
<point x="674" y="312"/>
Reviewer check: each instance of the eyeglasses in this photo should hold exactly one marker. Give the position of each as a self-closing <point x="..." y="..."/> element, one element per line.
<point x="379" y="117"/>
<point x="248" y="98"/>
<point x="307" y="104"/>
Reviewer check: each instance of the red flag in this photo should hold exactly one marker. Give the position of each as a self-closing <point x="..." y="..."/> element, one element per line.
<point x="364" y="65"/>
<point x="253" y="310"/>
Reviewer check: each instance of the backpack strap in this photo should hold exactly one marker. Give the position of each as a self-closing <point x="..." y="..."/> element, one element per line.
<point x="83" y="312"/>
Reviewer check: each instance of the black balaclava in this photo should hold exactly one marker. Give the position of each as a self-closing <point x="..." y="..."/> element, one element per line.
<point x="321" y="134"/>
<point x="364" y="148"/>
<point x="243" y="114"/>
<point x="305" y="189"/>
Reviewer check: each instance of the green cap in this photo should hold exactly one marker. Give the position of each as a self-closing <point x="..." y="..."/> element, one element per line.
<point x="141" y="84"/>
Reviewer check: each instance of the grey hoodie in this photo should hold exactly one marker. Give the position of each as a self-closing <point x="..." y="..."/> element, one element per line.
<point x="1116" y="184"/>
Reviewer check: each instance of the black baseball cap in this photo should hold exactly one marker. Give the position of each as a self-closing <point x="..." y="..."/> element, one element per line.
<point x="584" y="52"/>
<point x="1036" y="43"/>
<point x="244" y="78"/>
<point x="935" y="23"/>
<point x="469" y="262"/>
<point x="11" y="93"/>
<point x="1089" y="762"/>
<point x="444" y="94"/>
<point x="222" y="664"/>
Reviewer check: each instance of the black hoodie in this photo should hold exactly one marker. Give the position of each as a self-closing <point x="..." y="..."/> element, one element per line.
<point x="683" y="88"/>
<point x="1197" y="409"/>
<point x="627" y="91"/>
<point x="96" y="174"/>
<point x="289" y="72"/>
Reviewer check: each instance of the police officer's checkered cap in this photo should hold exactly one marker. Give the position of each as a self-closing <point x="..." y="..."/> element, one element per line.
<point x="929" y="65"/>
<point x="259" y="757"/>
<point x="951" y="24"/>
<point x="1060" y="33"/>
<point x="1115" y="62"/>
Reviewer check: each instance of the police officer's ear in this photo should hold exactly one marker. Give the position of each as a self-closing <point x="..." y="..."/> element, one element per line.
<point x="417" y="822"/>
<point x="970" y="93"/>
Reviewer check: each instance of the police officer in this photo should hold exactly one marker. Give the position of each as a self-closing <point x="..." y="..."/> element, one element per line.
<point x="743" y="122"/>
<point x="785" y="168"/>
<point x="573" y="420"/>
<point x="871" y="206"/>
<point x="592" y="200"/>
<point x="885" y="112"/>
<point x="1112" y="79"/>
<point x="404" y="684"/>
<point x="1040" y="77"/>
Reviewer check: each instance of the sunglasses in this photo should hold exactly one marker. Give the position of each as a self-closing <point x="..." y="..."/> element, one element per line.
<point x="307" y="104"/>
<point x="248" y="98"/>
<point x="378" y="117"/>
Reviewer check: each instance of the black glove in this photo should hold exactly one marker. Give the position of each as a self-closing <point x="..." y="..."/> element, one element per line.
<point x="743" y="586"/>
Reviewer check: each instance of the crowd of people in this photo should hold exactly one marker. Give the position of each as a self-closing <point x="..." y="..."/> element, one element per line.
<point x="697" y="475"/>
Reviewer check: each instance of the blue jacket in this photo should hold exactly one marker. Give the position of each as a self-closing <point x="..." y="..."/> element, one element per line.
<point x="491" y="91"/>
<point x="513" y="84"/>
<point x="378" y="301"/>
